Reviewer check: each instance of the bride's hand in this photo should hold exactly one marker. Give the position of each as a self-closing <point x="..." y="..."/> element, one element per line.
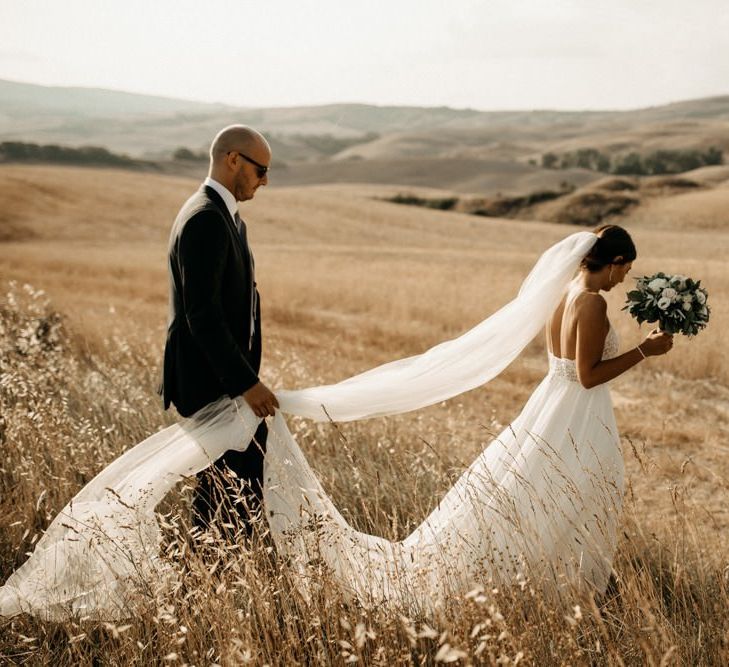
<point x="656" y="343"/>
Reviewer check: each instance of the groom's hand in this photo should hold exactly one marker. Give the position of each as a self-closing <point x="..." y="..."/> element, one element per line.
<point x="262" y="400"/>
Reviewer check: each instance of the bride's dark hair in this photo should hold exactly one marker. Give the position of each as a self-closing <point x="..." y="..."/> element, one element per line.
<point x="613" y="243"/>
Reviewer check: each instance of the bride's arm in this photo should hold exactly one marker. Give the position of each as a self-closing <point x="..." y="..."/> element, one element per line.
<point x="592" y="370"/>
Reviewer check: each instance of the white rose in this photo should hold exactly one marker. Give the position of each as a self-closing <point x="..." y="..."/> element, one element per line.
<point x="664" y="302"/>
<point x="703" y="312"/>
<point x="657" y="284"/>
<point x="686" y="305"/>
<point x="669" y="293"/>
<point x="679" y="282"/>
<point x="700" y="297"/>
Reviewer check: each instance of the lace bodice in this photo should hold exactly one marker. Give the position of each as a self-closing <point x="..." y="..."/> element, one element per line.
<point x="612" y="344"/>
<point x="566" y="368"/>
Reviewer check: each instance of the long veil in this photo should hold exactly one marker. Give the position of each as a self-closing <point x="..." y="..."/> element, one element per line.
<point x="457" y="365"/>
<point x="106" y="541"/>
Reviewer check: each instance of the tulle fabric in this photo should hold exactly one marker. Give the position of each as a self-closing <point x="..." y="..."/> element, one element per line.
<point x="454" y="366"/>
<point x="103" y="548"/>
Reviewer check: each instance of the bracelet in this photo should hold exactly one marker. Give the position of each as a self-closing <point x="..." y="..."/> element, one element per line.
<point x="642" y="354"/>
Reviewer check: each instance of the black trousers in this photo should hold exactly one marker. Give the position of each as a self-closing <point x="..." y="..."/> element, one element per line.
<point x="229" y="499"/>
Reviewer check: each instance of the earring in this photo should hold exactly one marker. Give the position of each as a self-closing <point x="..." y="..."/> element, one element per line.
<point x="610" y="276"/>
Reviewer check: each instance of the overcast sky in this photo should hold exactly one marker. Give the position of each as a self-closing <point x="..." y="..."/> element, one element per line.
<point x="493" y="54"/>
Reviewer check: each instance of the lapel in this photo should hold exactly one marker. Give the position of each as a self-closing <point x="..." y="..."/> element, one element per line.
<point x="218" y="202"/>
<point x="216" y="199"/>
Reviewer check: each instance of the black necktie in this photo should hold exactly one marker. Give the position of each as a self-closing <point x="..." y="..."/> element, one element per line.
<point x="241" y="227"/>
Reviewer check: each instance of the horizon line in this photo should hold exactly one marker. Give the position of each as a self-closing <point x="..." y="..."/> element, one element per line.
<point x="360" y="103"/>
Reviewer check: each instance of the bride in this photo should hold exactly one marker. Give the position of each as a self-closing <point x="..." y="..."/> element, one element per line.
<point x="541" y="501"/>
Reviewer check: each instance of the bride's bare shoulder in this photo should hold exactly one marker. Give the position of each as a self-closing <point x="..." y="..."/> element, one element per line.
<point x="590" y="304"/>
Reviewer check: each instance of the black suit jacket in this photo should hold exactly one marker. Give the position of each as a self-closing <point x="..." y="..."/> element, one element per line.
<point x="209" y="350"/>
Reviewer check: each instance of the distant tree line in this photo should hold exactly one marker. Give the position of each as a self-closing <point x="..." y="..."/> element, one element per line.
<point x="499" y="206"/>
<point x="657" y="162"/>
<point x="19" y="151"/>
<point x="186" y="155"/>
<point x="439" y="203"/>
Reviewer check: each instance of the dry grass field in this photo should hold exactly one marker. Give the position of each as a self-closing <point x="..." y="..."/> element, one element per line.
<point x="349" y="281"/>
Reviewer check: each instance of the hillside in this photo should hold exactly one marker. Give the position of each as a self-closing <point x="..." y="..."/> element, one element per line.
<point x="460" y="175"/>
<point x="467" y="150"/>
<point x="56" y="217"/>
<point x="24" y="101"/>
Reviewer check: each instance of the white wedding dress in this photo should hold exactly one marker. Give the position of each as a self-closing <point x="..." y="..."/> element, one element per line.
<point x="541" y="501"/>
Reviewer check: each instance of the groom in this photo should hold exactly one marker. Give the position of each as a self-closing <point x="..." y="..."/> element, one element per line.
<point x="213" y="345"/>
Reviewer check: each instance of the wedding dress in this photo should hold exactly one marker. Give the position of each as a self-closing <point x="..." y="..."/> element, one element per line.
<point x="541" y="501"/>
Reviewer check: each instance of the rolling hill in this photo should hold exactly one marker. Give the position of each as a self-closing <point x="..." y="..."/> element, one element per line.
<point x="466" y="150"/>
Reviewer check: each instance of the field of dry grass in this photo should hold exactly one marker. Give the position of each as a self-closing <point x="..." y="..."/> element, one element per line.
<point x="349" y="281"/>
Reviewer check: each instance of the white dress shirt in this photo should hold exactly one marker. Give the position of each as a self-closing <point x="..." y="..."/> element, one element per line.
<point x="226" y="194"/>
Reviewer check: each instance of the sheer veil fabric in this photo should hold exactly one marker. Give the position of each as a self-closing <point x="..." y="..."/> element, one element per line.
<point x="542" y="498"/>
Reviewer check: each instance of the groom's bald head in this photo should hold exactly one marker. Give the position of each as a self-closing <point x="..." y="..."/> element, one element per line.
<point x="239" y="138"/>
<point x="239" y="160"/>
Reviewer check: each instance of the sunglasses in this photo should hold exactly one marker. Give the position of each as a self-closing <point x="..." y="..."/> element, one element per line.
<point x="261" y="169"/>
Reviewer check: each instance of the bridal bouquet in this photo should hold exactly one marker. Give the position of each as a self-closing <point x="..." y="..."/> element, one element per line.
<point x="677" y="303"/>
